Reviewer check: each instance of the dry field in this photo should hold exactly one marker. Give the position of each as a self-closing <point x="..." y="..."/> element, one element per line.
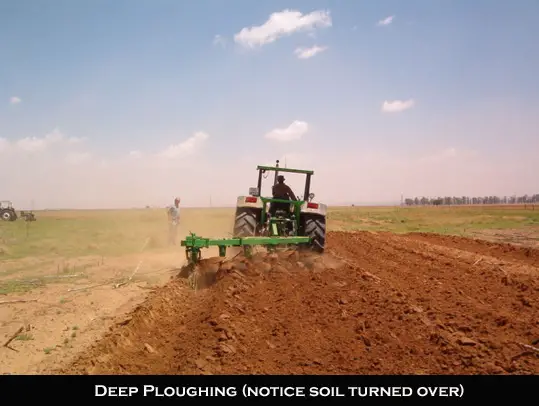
<point x="99" y="292"/>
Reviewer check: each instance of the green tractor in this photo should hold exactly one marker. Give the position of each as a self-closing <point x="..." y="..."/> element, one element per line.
<point x="268" y="217"/>
<point x="269" y="222"/>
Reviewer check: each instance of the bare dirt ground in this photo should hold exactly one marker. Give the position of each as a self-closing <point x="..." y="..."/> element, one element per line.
<point x="51" y="308"/>
<point x="375" y="303"/>
<point x="71" y="306"/>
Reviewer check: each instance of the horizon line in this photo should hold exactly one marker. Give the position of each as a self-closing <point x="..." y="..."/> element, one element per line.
<point x="395" y="204"/>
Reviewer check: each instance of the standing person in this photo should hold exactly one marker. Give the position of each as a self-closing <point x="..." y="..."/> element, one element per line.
<point x="173" y="221"/>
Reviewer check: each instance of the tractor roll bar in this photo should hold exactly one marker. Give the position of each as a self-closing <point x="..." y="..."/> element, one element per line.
<point x="277" y="169"/>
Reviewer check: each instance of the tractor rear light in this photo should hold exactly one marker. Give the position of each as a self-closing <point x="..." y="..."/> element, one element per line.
<point x="251" y="199"/>
<point x="312" y="205"/>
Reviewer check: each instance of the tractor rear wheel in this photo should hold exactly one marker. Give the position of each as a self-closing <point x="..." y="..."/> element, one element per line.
<point x="315" y="228"/>
<point x="7" y="215"/>
<point x="246" y="222"/>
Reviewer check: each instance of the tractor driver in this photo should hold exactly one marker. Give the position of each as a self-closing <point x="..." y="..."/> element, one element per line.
<point x="283" y="192"/>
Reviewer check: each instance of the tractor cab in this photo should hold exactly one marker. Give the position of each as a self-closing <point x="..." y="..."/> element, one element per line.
<point x="267" y="216"/>
<point x="278" y="216"/>
<point x="263" y="174"/>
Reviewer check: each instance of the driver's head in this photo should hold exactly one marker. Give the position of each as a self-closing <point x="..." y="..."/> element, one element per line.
<point x="280" y="178"/>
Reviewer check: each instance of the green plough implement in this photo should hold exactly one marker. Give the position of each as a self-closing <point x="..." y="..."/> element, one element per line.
<point x="193" y="244"/>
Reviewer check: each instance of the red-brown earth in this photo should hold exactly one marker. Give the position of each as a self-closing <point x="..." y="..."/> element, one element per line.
<point x="374" y="303"/>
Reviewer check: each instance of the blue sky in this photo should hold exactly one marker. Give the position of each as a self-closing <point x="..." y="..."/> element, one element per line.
<point x="125" y="103"/>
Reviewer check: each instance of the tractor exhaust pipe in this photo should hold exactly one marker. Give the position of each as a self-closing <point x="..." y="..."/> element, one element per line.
<point x="276" y="173"/>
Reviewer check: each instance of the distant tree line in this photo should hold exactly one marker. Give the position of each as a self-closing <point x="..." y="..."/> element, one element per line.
<point x="465" y="200"/>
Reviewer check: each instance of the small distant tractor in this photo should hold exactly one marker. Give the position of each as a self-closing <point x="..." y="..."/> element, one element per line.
<point x="300" y="223"/>
<point x="7" y="212"/>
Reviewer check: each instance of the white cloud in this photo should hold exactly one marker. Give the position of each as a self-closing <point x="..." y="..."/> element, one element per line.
<point x="306" y="53"/>
<point x="219" y="40"/>
<point x="37" y="144"/>
<point x="15" y="100"/>
<point x="185" y="148"/>
<point x="76" y="158"/>
<point x="386" y="21"/>
<point x="280" y="24"/>
<point x="293" y="132"/>
<point x="76" y="140"/>
<point x="34" y="144"/>
<point x="31" y="144"/>
<point x="60" y="173"/>
<point x="397" y="106"/>
<point x="65" y="174"/>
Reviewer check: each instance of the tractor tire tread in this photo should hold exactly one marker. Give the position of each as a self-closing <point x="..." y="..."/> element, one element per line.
<point x="315" y="227"/>
<point x="245" y="224"/>
<point x="10" y="213"/>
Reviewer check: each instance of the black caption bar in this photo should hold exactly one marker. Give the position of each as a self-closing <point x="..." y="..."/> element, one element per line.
<point x="371" y="389"/>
